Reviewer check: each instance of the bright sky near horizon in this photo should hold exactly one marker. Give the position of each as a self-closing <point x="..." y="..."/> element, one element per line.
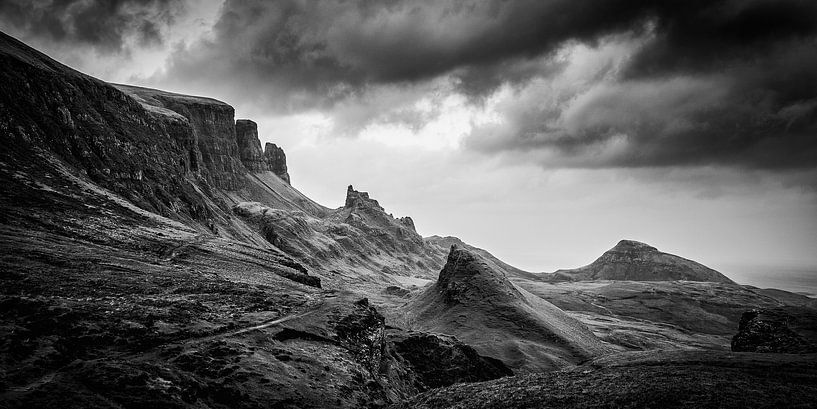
<point x="542" y="131"/>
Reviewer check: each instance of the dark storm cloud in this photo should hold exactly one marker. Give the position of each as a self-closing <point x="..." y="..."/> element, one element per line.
<point x="725" y="81"/>
<point x="104" y="25"/>
<point x="319" y="51"/>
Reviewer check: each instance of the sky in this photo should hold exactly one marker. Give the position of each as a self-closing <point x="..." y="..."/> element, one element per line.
<point x="541" y="130"/>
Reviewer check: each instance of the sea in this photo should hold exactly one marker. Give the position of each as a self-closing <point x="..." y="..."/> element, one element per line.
<point x="801" y="280"/>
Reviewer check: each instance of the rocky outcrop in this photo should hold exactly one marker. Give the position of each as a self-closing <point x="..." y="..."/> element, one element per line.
<point x="445" y="243"/>
<point x="635" y="261"/>
<point x="408" y="222"/>
<point x="249" y="146"/>
<point x="791" y="330"/>
<point x="438" y="360"/>
<point x="467" y="278"/>
<point x="276" y="161"/>
<point x="363" y="333"/>
<point x="360" y="200"/>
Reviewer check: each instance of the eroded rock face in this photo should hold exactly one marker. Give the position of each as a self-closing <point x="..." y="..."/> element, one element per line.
<point x="213" y="125"/>
<point x="467" y="278"/>
<point x="363" y="333"/>
<point x="408" y="222"/>
<point x="249" y="146"/>
<point x="790" y="330"/>
<point x="360" y="200"/>
<point x="441" y="361"/>
<point x="143" y="155"/>
<point x="276" y="161"/>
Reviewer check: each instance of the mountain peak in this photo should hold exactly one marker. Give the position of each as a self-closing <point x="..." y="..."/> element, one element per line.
<point x="360" y="200"/>
<point x="636" y="261"/>
<point x="630" y="245"/>
<point x="467" y="277"/>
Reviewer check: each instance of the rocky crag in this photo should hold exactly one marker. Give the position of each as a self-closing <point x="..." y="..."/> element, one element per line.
<point x="272" y="158"/>
<point x="788" y="330"/>
<point x="360" y="236"/>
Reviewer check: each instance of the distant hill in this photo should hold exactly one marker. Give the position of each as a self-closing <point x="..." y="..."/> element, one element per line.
<point x="636" y="261"/>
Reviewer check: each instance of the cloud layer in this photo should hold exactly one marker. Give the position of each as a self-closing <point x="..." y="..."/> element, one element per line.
<point x="577" y="83"/>
<point x="106" y="26"/>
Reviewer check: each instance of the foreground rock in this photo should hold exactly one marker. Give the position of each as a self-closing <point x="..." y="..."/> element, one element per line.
<point x="635" y="261"/>
<point x="790" y="330"/>
<point x="665" y="379"/>
<point x="439" y="360"/>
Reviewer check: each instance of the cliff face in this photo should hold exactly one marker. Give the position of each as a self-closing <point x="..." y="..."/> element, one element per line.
<point x="49" y="109"/>
<point x="249" y="147"/>
<point x="272" y="158"/>
<point x="213" y="125"/>
<point x="276" y="161"/>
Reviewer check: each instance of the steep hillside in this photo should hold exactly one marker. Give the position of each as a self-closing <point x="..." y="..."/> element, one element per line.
<point x="230" y="152"/>
<point x="478" y="304"/>
<point x="357" y="243"/>
<point x="635" y="261"/>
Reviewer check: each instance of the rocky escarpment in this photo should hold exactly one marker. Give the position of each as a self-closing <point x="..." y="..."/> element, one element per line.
<point x="249" y="146"/>
<point x="170" y="154"/>
<point x="791" y="330"/>
<point x="276" y="161"/>
<point x="50" y="112"/>
<point x="213" y="125"/>
<point x="272" y="158"/>
<point x="358" y="241"/>
<point x="479" y="305"/>
<point x="165" y="153"/>
<point x="632" y="260"/>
